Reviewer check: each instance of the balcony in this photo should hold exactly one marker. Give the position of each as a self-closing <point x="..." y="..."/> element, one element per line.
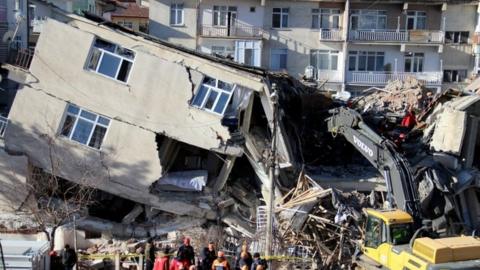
<point x="235" y="30"/>
<point x="21" y="58"/>
<point x="331" y="34"/>
<point x="382" y="78"/>
<point x="329" y="75"/>
<point x="3" y="126"/>
<point x="401" y="36"/>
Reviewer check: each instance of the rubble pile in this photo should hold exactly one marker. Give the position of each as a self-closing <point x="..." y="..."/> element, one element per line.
<point x="327" y="221"/>
<point x="397" y="97"/>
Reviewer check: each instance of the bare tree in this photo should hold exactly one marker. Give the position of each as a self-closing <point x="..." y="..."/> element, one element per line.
<point x="53" y="201"/>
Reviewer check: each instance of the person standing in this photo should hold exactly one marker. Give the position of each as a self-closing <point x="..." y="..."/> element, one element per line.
<point x="186" y="254"/>
<point x="258" y="263"/>
<point x="207" y="257"/>
<point x="220" y="263"/>
<point x="149" y="254"/>
<point x="162" y="262"/>
<point x="69" y="257"/>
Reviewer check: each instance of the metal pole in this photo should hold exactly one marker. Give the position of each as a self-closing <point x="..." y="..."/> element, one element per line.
<point x="75" y="236"/>
<point x="271" y="176"/>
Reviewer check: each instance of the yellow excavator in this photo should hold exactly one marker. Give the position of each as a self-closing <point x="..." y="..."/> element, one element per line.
<point x="392" y="236"/>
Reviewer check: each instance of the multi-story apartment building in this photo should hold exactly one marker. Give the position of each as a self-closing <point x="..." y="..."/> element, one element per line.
<point x="351" y="44"/>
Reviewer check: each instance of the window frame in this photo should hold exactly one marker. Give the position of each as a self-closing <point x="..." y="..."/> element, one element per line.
<point x="416" y="15"/>
<point x="367" y="56"/>
<point x="271" y="58"/>
<point x="78" y="116"/>
<point x="217" y="14"/>
<point x="207" y="94"/>
<point x="417" y="62"/>
<point x="331" y="13"/>
<point x="103" y="52"/>
<point x="330" y="55"/>
<point x="362" y="14"/>
<point x="281" y="13"/>
<point x="175" y="8"/>
<point x="457" y="35"/>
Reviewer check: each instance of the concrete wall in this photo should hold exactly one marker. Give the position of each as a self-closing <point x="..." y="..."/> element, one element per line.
<point x="159" y="25"/>
<point x="460" y="56"/>
<point x="155" y="100"/>
<point x="136" y="22"/>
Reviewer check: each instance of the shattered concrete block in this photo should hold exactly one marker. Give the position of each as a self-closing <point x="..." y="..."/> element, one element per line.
<point x="449" y="132"/>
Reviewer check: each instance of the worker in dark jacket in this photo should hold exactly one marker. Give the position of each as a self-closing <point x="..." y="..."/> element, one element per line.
<point x="186" y="254"/>
<point x="207" y="257"/>
<point x="69" y="257"/>
<point x="149" y="254"/>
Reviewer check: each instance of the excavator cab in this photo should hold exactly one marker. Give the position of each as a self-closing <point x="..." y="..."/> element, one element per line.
<point x="384" y="231"/>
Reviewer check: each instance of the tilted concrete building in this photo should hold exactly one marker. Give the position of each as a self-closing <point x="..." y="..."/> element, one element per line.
<point x="139" y="118"/>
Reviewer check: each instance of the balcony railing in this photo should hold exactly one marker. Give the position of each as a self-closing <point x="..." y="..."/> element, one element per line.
<point x="236" y="29"/>
<point x="3" y="125"/>
<point x="382" y="78"/>
<point x="329" y="75"/>
<point x="21" y="58"/>
<point x="418" y="36"/>
<point x="331" y="34"/>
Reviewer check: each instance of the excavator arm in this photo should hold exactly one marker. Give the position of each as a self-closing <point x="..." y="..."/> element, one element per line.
<point x="381" y="153"/>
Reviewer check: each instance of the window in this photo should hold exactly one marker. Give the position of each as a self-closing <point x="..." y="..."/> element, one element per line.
<point x="401" y="233"/>
<point x="374" y="231"/>
<point x="280" y="18"/>
<point x="84" y="127"/>
<point x="416" y="20"/>
<point x="213" y="95"/>
<point x="414" y="62"/>
<point x="454" y="75"/>
<point x="223" y="51"/>
<point x="252" y="9"/>
<point x="366" y="61"/>
<point x="458" y="37"/>
<point x="176" y="14"/>
<point x="368" y="19"/>
<point x="324" y="60"/>
<point x="223" y="15"/>
<point x="111" y="60"/>
<point x="325" y="18"/>
<point x="126" y="24"/>
<point x="278" y="59"/>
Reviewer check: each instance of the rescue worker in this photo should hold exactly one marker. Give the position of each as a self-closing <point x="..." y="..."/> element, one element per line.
<point x="186" y="254"/>
<point x="220" y="263"/>
<point x="258" y="263"/>
<point x="207" y="257"/>
<point x="149" y="254"/>
<point x="69" y="257"/>
<point x="162" y="262"/>
<point x="245" y="258"/>
<point x="176" y="264"/>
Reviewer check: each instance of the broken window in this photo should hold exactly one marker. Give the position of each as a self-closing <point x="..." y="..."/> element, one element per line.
<point x="213" y="95"/>
<point x="176" y="14"/>
<point x="84" y="127"/>
<point x="111" y="60"/>
<point x="457" y="37"/>
<point x="454" y="75"/>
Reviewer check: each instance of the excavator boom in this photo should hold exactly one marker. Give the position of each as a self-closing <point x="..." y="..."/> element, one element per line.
<point x="381" y="153"/>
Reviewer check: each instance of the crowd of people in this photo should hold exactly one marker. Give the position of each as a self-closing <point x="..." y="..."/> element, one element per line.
<point x="209" y="259"/>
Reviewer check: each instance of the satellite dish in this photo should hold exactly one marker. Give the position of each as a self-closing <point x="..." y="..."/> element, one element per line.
<point x="8" y="36"/>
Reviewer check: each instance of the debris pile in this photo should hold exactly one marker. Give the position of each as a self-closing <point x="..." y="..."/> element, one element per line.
<point x="397" y="97"/>
<point x="327" y="220"/>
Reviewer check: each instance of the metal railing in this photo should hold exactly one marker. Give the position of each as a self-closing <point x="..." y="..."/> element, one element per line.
<point x="3" y="125"/>
<point x="236" y="29"/>
<point x="21" y="58"/>
<point x="419" y="36"/>
<point x="382" y="78"/>
<point x="378" y="35"/>
<point x="331" y="34"/>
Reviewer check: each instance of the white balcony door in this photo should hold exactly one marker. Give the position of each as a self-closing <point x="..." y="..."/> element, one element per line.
<point x="248" y="52"/>
<point x="414" y="62"/>
<point x="225" y="16"/>
<point x="416" y="20"/>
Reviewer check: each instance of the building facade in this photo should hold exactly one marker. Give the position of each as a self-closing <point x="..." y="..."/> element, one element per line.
<point x="350" y="44"/>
